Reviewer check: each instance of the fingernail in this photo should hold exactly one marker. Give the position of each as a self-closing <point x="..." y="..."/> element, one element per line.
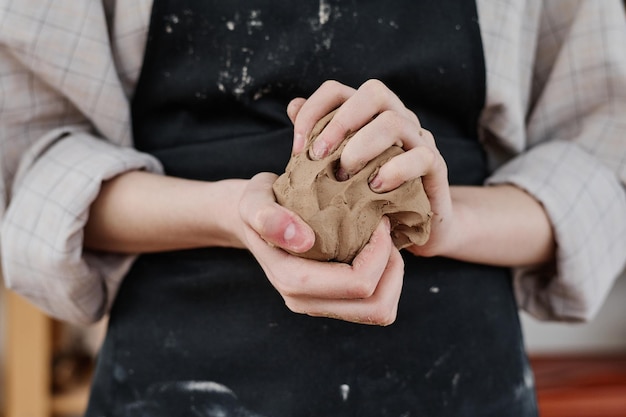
<point x="295" y="238"/>
<point x="319" y="149"/>
<point x="290" y="232"/>
<point x="342" y="174"/>
<point x="376" y="183"/>
<point x="298" y="142"/>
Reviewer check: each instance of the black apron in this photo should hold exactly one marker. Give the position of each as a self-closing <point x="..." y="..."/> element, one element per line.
<point x="202" y="332"/>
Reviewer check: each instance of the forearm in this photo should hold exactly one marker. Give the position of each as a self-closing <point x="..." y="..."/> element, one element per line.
<point x="140" y="212"/>
<point x="500" y="225"/>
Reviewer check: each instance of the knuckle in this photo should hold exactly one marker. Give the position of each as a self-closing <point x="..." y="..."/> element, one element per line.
<point x="389" y="319"/>
<point x="413" y="117"/>
<point x="286" y="290"/>
<point x="384" y="315"/>
<point x="291" y="287"/>
<point x="373" y="84"/>
<point x="330" y="84"/>
<point x="377" y="89"/>
<point x="391" y="118"/>
<point x="294" y="306"/>
<point x="428" y="136"/>
<point x="388" y="315"/>
<point x="362" y="289"/>
<point x="260" y="220"/>
<point x="393" y="123"/>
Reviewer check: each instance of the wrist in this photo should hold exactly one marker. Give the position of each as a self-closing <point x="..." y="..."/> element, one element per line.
<point x="498" y="225"/>
<point x="140" y="212"/>
<point x="461" y="231"/>
<point x="449" y="232"/>
<point x="221" y="224"/>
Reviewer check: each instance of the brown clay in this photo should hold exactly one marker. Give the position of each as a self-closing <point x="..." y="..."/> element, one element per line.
<point x="344" y="214"/>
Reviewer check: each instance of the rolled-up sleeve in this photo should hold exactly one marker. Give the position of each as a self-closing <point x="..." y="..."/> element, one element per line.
<point x="574" y="158"/>
<point x="64" y="129"/>
<point x="42" y="230"/>
<point x="587" y="209"/>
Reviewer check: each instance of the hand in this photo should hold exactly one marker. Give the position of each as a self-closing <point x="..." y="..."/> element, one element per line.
<point x="511" y="225"/>
<point x="380" y="120"/>
<point x="141" y="212"/>
<point x="366" y="292"/>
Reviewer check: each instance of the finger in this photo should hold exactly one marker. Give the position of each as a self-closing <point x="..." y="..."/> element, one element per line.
<point x="425" y="137"/>
<point x="298" y="278"/>
<point x="361" y="280"/>
<point x="389" y="128"/>
<point x="417" y="162"/>
<point x="329" y="96"/>
<point x="294" y="107"/>
<point x="379" y="309"/>
<point x="292" y="111"/>
<point x="279" y="266"/>
<point x="274" y="223"/>
<point x="371" y="99"/>
<point x="421" y="159"/>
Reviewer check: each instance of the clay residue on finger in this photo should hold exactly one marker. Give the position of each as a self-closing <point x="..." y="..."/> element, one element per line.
<point x="344" y="214"/>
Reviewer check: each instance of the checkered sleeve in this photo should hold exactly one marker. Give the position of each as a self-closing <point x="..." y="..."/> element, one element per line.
<point x="42" y="229"/>
<point x="64" y="129"/>
<point x="574" y="160"/>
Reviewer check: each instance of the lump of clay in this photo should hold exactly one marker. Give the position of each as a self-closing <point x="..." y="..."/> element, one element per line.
<point x="344" y="214"/>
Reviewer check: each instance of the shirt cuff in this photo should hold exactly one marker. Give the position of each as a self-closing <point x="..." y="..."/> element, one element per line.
<point x="586" y="204"/>
<point x="43" y="257"/>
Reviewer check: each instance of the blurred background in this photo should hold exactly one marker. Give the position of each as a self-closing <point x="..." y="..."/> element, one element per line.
<point x="46" y="366"/>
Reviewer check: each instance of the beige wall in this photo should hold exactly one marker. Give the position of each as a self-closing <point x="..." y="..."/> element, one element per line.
<point x="606" y="333"/>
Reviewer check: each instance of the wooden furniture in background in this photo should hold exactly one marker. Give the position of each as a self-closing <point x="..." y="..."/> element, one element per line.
<point x="28" y="354"/>
<point x="28" y="376"/>
<point x="581" y="386"/>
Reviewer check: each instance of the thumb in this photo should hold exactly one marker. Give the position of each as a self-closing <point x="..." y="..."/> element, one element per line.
<point x="272" y="222"/>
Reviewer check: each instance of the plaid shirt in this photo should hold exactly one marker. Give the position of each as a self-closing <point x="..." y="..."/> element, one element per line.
<point x="554" y="124"/>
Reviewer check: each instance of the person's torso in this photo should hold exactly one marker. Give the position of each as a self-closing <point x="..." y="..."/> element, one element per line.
<point x="210" y="104"/>
<point x="217" y="76"/>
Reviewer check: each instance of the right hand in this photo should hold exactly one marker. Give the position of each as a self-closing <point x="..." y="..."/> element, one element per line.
<point x="368" y="291"/>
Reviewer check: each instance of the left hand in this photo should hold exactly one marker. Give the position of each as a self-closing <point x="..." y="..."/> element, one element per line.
<point x="380" y="120"/>
<point x="367" y="291"/>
